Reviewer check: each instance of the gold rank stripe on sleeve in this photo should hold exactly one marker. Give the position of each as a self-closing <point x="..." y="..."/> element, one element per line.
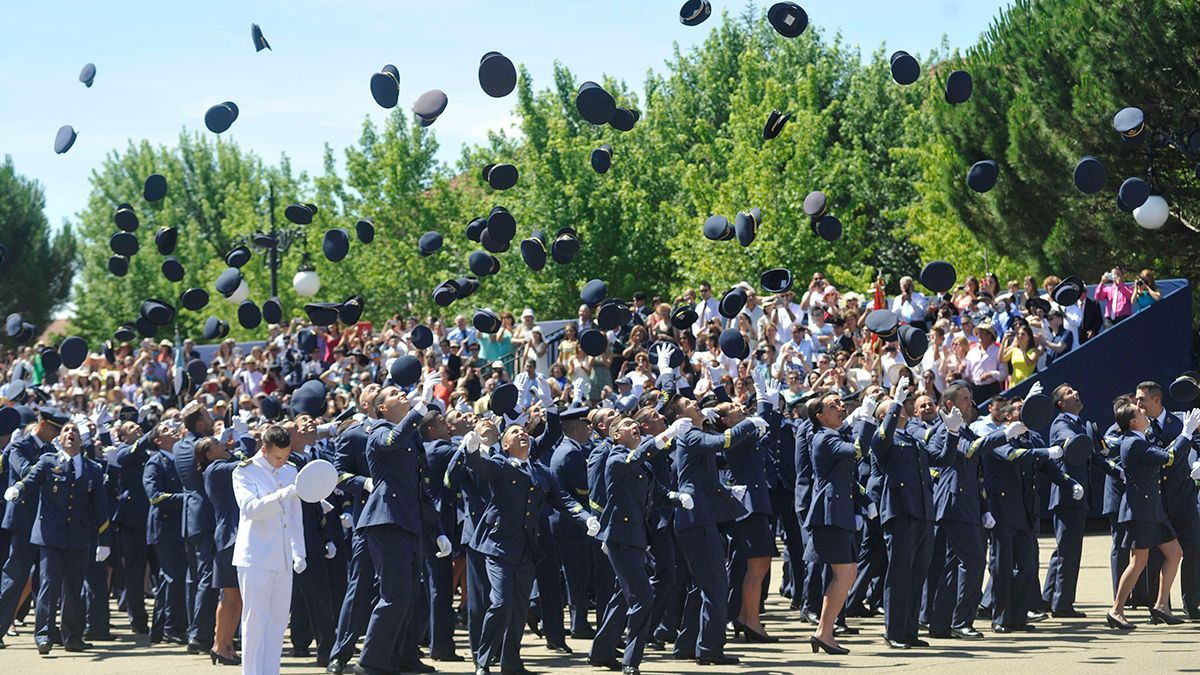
<point x="342" y="478"/>
<point x="973" y="447"/>
<point x="857" y="450"/>
<point x="1016" y="454"/>
<point x="728" y="438"/>
<point x="244" y="462"/>
<point x="928" y="433"/>
<point x="582" y="493"/>
<point x="1170" y="457"/>
<point x="390" y="437"/>
<point x="162" y="497"/>
<point x="104" y="527"/>
<point x="578" y="508"/>
<point x="446" y="479"/>
<point x="595" y="506"/>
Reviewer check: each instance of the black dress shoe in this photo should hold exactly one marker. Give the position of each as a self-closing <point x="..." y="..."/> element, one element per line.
<point x="171" y="638"/>
<point x="1019" y="628"/>
<point x="482" y="671"/>
<point x="681" y="656"/>
<point x="983" y="613"/>
<point x="585" y="633"/>
<point x="335" y="668"/>
<point x="809" y="617"/>
<point x="1068" y="614"/>
<point x="843" y="629"/>
<point x="601" y="663"/>
<point x="656" y="645"/>
<point x="1034" y="617"/>
<point x="417" y="667"/>
<point x="894" y="644"/>
<point x="2" y="645"/>
<point x="44" y="647"/>
<point x="630" y="670"/>
<point x="559" y="648"/>
<point x="197" y="648"/>
<point x="997" y="628"/>
<point x="918" y="642"/>
<point x="297" y="652"/>
<point x="718" y="660"/>
<point x="77" y="646"/>
<point x="857" y="611"/>
<point x="360" y="669"/>
<point x="939" y="635"/>
<point x="449" y="658"/>
<point x="966" y="633"/>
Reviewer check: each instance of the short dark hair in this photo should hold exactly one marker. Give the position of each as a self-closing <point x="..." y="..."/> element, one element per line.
<point x="1150" y="387"/>
<point x="1125" y="413"/>
<point x="1059" y="393"/>
<point x="953" y="390"/>
<point x="277" y="436"/>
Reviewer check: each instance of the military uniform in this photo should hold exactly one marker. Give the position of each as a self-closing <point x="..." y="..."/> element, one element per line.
<point x="199" y="526"/>
<point x="132" y="511"/>
<point x="22" y="455"/>
<point x="350" y="459"/>
<point x="164" y="532"/>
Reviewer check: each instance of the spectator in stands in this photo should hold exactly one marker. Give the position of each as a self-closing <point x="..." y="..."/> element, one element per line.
<point x="983" y="364"/>
<point x="569" y="344"/>
<point x="584" y="321"/>
<point x="640" y="307"/>
<point x="522" y="332"/>
<point x="1056" y="339"/>
<point x="538" y="351"/>
<point x="911" y="305"/>
<point x="967" y="295"/>
<point x="990" y="284"/>
<point x="1114" y="297"/>
<point x="814" y="297"/>
<point x="986" y="424"/>
<point x="1145" y="291"/>
<point x="1021" y="352"/>
<point x="753" y="308"/>
<point x="706" y="309"/>
<point x="462" y="333"/>
<point x="1029" y="290"/>
<point x="660" y="322"/>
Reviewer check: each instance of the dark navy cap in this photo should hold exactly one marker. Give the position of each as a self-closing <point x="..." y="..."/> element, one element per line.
<point x="238" y="257"/>
<point x="125" y="218"/>
<point x="229" y="281"/>
<point x="594" y="104"/>
<point x="959" y="87"/>
<point x="445" y="293"/>
<point x="788" y="19"/>
<point x="683" y="316"/>
<point x="593" y="342"/>
<point x="306" y="340"/>
<point x="475" y="229"/>
<point x="12" y="324"/>
<point x="271" y="408"/>
<point x="829" y="228"/>
<point x="118" y="265"/>
<point x="1033" y="304"/>
<point x="155" y="187"/>
<point x="165" y="240"/>
<point x="602" y="158"/>
<point x="309" y="399"/>
<point x="485" y="321"/>
<point x="612" y="314"/>
<point x="50" y="415"/>
<point x="157" y="312"/>
<point x="126" y="243"/>
<point x="1038" y="411"/>
<point x="1090" y="175"/>
<point x="913" y="344"/>
<point x="272" y="311"/>
<point x="1130" y="123"/>
<point x="1077" y="449"/>
<point x="624" y="119"/>
<point x="594" y="292"/>
<point x="1068" y="291"/>
<point x="565" y="246"/>
<point x="10" y="419"/>
<point x="497" y="75"/>
<point x="482" y="263"/>
<point x="172" y="269"/>
<point x="74" y="351"/>
<point x="815" y="204"/>
<point x="365" y="230"/>
<point x="905" y="69"/>
<point x="194" y="299"/>
<point x="938" y="276"/>
<point x="1134" y="192"/>
<point x="124" y="333"/>
<point x="777" y="280"/>
<point x="197" y="371"/>
<point x="351" y="309"/>
<point x="676" y="354"/>
<point x="1186" y="387"/>
<point x="533" y="251"/>
<point x="249" y="315"/>
<point x="983" y="174"/>
<point x="300" y="214"/>
<point x="405" y="370"/>
<point x="883" y="323"/>
<point x="732" y="343"/>
<point x="145" y="327"/>
<point x="336" y="244"/>
<point x="732" y="302"/>
<point x="717" y="228"/>
<point x="260" y="42"/>
<point x="220" y="117"/>
<point x="385" y="87"/>
<point x="500" y="176"/>
<point x="694" y="12"/>
<point x="466" y="286"/>
<point x="88" y="75"/>
<point x="775" y="123"/>
<point x="501" y="225"/>
<point x="745" y="225"/>
<point x="429" y="243"/>
<point x="422" y="337"/>
<point x="322" y="313"/>
<point x="492" y="245"/>
<point x="64" y="139"/>
<point x="504" y="399"/>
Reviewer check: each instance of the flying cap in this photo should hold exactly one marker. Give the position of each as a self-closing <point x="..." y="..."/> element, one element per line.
<point x="913" y="344"/>
<point x="533" y="251"/>
<point x="238" y="257"/>
<point x="145" y="327"/>
<point x="272" y="311"/>
<point x="717" y="228"/>
<point x="88" y="75"/>
<point x="683" y="316"/>
<point x="229" y="281"/>
<point x="421" y="337"/>
<point x="336" y="244"/>
<point x="883" y="323"/>
<point x="959" y="87"/>
<point x="1134" y="192"/>
<point x="775" y="123"/>
<point x="905" y="69"/>
<point x="829" y="228"/>
<point x="64" y="139"/>
<point x="504" y="399"/>
<point x="74" y="351"/>
<point x="1186" y="387"/>
<point x="260" y="42"/>
<point x="405" y="370"/>
<point x="485" y="321"/>
<point x="123" y="243"/>
<point x="300" y="214"/>
<point x="1090" y="175"/>
<point x="602" y="159"/>
<point x="482" y="263"/>
<point x="155" y="188"/>
<point x="118" y="265"/>
<point x="220" y="117"/>
<point x="676" y="354"/>
<point x="194" y="299"/>
<point x="776" y="280"/>
<point x="732" y="302"/>
<point x="1038" y="412"/>
<point x="385" y="87"/>
<point x="565" y="246"/>
<point x="594" y="104"/>
<point x="165" y="240"/>
<point x="732" y="343"/>
<point x="501" y="225"/>
<point x="624" y="119"/>
<point x="249" y="315"/>
<point x="982" y="175"/>
<point x="938" y="276"/>
<point x="172" y="269"/>
<point x="1130" y="123"/>
<point x="500" y="176"/>
<point x="593" y="342"/>
<point x="429" y="243"/>
<point x="594" y="292"/>
<point x="445" y="293"/>
<point x="157" y="312"/>
<point x="788" y="19"/>
<point x="815" y="204"/>
<point x="1068" y="291"/>
<point x="365" y="230"/>
<point x="695" y="12"/>
<point x="351" y="309"/>
<point x="497" y="75"/>
<point x="745" y="225"/>
<point x="125" y="218"/>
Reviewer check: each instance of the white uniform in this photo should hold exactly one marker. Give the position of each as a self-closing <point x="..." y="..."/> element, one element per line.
<point x="270" y="539"/>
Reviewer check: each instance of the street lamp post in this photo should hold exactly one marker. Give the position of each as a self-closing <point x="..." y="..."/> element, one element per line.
<point x="276" y="243"/>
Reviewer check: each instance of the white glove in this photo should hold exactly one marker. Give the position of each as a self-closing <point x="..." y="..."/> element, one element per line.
<point x="1034" y="390"/>
<point x="110" y="455"/>
<point x="1014" y="429"/>
<point x="759" y="423"/>
<point x="1077" y="492"/>
<point x="902" y="390"/>
<point x="420" y="406"/>
<point x="369" y="485"/>
<point x="679" y="427"/>
<point x="685" y="499"/>
<point x="1055" y="452"/>
<point x="242" y="429"/>
<point x="859" y="522"/>
<point x="760" y="386"/>
<point x="329" y="429"/>
<point x="1195" y="470"/>
<point x="664" y="359"/>
<point x="872" y="511"/>
<point x="988" y="521"/>
<point x="12" y="494"/>
<point x="865" y="410"/>
<point x="774" y="387"/>
<point x="431" y="380"/>
<point x="347" y="521"/>
<point x="710" y="415"/>
<point x="299" y="565"/>
<point x="326" y="507"/>
<point x="738" y="491"/>
<point x="1191" y="421"/>
<point x="103" y="415"/>
<point x="330" y="550"/>
<point x="471" y="442"/>
<point x="1120" y="472"/>
<point x="102" y="553"/>
<point x="545" y="395"/>
<point x="289" y="492"/>
<point x="952" y="421"/>
<point x="593" y="526"/>
<point x="714" y="375"/>
<point x="443" y="545"/>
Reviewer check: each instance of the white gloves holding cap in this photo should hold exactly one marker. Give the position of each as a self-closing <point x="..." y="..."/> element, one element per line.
<point x="759" y="423"/>
<point x="1055" y="451"/>
<point x="299" y="565"/>
<point x="902" y="390"/>
<point x="710" y="415"/>
<point x="1014" y="429"/>
<point x="443" y="544"/>
<point x="593" y="526"/>
<point x="471" y="442"/>
<point x="1077" y="492"/>
<point x="110" y="455"/>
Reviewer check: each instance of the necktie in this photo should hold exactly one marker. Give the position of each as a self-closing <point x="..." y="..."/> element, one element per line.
<point x="71" y="468"/>
<point x="1156" y="430"/>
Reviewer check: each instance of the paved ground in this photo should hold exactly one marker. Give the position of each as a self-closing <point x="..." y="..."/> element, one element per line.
<point x="1071" y="646"/>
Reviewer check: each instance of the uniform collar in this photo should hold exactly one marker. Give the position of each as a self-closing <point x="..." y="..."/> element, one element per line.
<point x="1162" y="419"/>
<point x="1139" y="434"/>
<point x="261" y="461"/>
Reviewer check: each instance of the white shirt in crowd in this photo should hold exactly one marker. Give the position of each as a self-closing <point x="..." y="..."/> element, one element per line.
<point x="912" y="309"/>
<point x="270" y="528"/>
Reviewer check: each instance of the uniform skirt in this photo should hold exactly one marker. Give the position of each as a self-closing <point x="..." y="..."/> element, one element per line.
<point x="224" y="573"/>
<point x="831" y="545"/>
<point x="752" y="536"/>
<point x="1145" y="534"/>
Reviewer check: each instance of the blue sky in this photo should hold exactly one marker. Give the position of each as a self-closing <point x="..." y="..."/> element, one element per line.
<point x="161" y="64"/>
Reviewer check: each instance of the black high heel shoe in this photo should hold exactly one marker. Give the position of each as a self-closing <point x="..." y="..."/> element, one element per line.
<point x="223" y="660"/>
<point x="751" y="634"/>
<point x="1114" y="622"/>
<point x="1158" y="616"/>
<point x="818" y="645"/>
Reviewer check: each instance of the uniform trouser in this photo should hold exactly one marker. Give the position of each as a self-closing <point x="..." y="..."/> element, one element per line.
<point x="134" y="552"/>
<point x="814" y="580"/>
<point x="548" y="581"/>
<point x="5" y="542"/>
<point x="588" y="574"/>
<point x="478" y="590"/>
<point x="1062" y="573"/>
<point x="704" y="612"/>
<point x="793" y="541"/>
<point x="439" y="573"/>
<point x="611" y="625"/>
<point x="663" y="580"/>
<point x="504" y="621"/>
<point x="396" y="554"/>
<point x="170" y="597"/>
<point x="356" y="604"/>
<point x="1188" y="532"/>
<point x="957" y="596"/>
<point x="266" y="596"/>
<point x="909" y="543"/>
<point x="629" y="565"/>
<point x="62" y="581"/>
<point x="200" y="550"/>
<point x="933" y="577"/>
<point x="312" y="606"/>
<point x="872" y="566"/>
<point x="95" y="588"/>
<point x="1013" y="570"/>
<point x="22" y="556"/>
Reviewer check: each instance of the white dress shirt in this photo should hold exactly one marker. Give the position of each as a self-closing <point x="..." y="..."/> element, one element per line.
<point x="270" y="530"/>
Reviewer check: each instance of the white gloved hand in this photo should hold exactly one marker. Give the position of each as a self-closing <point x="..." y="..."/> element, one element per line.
<point x="1034" y="390"/>
<point x="289" y="492"/>
<point x="902" y="390"/>
<point x="1055" y="452"/>
<point x="545" y="395"/>
<point x="593" y="526"/>
<point x="664" y="359"/>
<point x="988" y="521"/>
<point x="760" y="386"/>
<point x="471" y="442"/>
<point x="714" y="374"/>
<point x="859" y="522"/>
<point x="110" y="455"/>
<point x="710" y="415"/>
<point x="12" y="494"/>
<point x="865" y="410"/>
<point x="330" y="550"/>
<point x="1014" y="429"/>
<point x="774" y="388"/>
<point x="444" y="548"/>
<point x="759" y="423"/>
<point x="952" y="421"/>
<point x="1077" y="492"/>
<point x="431" y="380"/>
<point x="242" y="429"/>
<point x="684" y="498"/>
<point x="679" y="427"/>
<point x="1191" y="421"/>
<point x="102" y="553"/>
<point x="299" y="565"/>
<point x="738" y="491"/>
<point x="326" y="507"/>
<point x="329" y="429"/>
<point x="369" y="485"/>
<point x="347" y="521"/>
<point x="872" y="511"/>
<point x="1120" y="471"/>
